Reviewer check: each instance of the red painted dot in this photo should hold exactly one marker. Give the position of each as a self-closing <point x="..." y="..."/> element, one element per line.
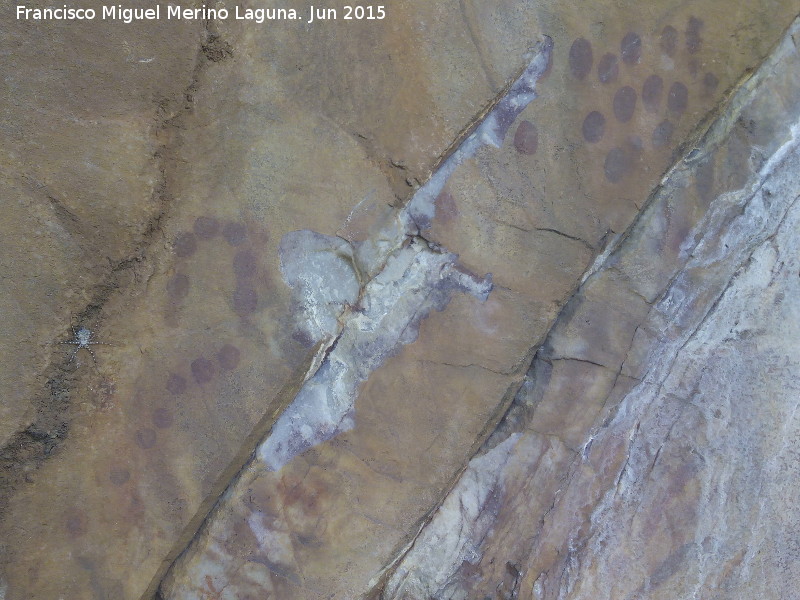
<point x="245" y="263"/>
<point x="446" y="207"/>
<point x="228" y="357"/>
<point x="616" y="165"/>
<point x="662" y="134"/>
<point x="608" y="68"/>
<point x="206" y="227"/>
<point x="631" y="48"/>
<point x="651" y="92"/>
<point x="203" y="370"/>
<point x="176" y="384"/>
<point x="594" y="125"/>
<point x="234" y="233"/>
<point x="162" y="418"/>
<point x="119" y="476"/>
<point x="178" y="286"/>
<point x="669" y="40"/>
<point x="624" y="104"/>
<point x="580" y="58"/>
<point x="693" y="40"/>
<point x="302" y="338"/>
<point x="526" y="139"/>
<point x="704" y="180"/>
<point x="678" y="97"/>
<point x="185" y="245"/>
<point x="146" y="438"/>
<point x="694" y="65"/>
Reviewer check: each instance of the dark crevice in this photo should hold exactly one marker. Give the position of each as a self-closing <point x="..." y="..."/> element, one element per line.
<point x="566" y="235"/>
<point x="470" y="366"/>
<point x="27" y="450"/>
<point x="216" y="49"/>
<point x="585" y="361"/>
<point x="67" y="218"/>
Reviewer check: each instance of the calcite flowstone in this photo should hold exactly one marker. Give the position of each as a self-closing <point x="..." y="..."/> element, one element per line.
<point x="666" y="475"/>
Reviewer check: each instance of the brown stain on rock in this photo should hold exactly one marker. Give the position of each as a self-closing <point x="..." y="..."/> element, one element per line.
<point x="446" y="207"/>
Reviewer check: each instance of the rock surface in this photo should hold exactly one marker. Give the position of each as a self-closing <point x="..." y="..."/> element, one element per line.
<point x="652" y="474"/>
<point x="382" y="323"/>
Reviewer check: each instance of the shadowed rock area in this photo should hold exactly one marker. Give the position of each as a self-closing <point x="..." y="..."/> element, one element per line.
<point x="478" y="300"/>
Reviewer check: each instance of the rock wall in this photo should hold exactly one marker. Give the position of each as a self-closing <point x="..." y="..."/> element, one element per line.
<point x="479" y="300"/>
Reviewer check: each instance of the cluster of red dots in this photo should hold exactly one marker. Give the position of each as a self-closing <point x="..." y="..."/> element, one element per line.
<point x="244" y="299"/>
<point x="623" y="107"/>
<point x="202" y="369"/>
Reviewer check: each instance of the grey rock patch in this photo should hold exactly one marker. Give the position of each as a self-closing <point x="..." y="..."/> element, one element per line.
<point x="415" y="281"/>
<point x="319" y="269"/>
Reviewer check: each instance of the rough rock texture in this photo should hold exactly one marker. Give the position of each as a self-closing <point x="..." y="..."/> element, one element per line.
<point x="643" y="457"/>
<point x="479" y="300"/>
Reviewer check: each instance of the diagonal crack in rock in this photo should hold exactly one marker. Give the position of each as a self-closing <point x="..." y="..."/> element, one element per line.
<point x="410" y="277"/>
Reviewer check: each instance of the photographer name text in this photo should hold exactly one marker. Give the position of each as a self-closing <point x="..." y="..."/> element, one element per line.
<point x="174" y="12"/>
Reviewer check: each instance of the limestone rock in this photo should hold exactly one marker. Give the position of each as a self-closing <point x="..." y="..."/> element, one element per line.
<point x="477" y="300"/>
<point x="660" y="490"/>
